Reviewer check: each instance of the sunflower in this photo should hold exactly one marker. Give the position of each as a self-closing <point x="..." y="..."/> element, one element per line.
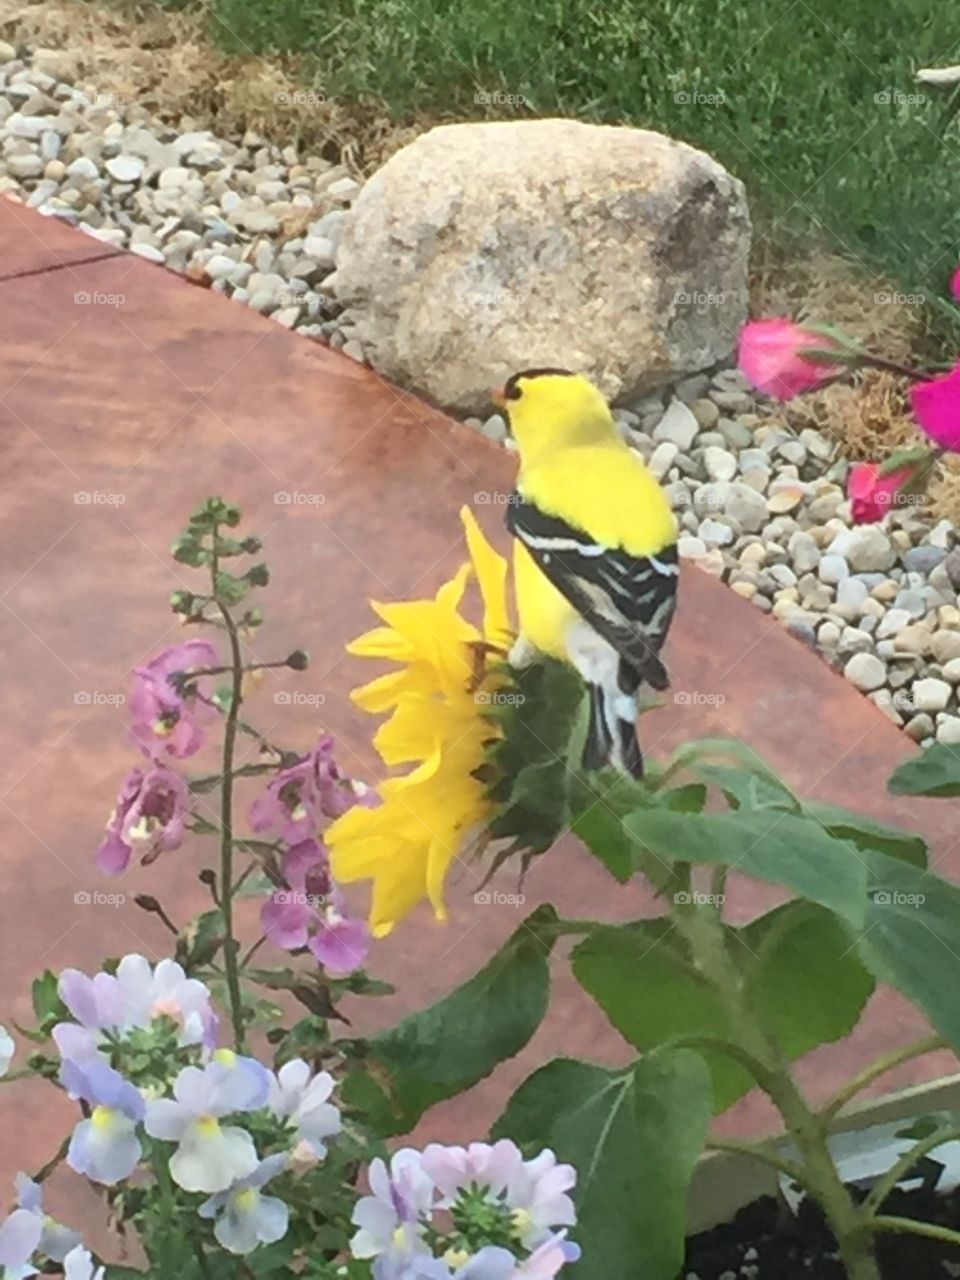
<point x="449" y="673"/>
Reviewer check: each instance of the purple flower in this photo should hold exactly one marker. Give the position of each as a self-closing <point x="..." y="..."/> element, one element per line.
<point x="393" y="1217"/>
<point x="312" y="913"/>
<point x="298" y="796"/>
<point x="56" y="1241"/>
<point x="165" y="720"/>
<point x="150" y="818"/>
<point x="244" y="1216"/>
<point x="105" y="1147"/>
<point x="336" y="793"/>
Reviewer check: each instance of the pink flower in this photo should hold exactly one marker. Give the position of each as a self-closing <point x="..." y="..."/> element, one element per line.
<point x="774" y="357"/>
<point x="955" y="284"/>
<point x="312" y="913"/>
<point x="165" y="720"/>
<point x="936" y="406"/>
<point x="299" y="795"/>
<point x="872" y="495"/>
<point x="150" y="818"/>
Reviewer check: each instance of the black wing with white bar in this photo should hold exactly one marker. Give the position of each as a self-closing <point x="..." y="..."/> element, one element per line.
<point x="628" y="600"/>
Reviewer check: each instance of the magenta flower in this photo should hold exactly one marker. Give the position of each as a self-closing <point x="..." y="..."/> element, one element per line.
<point x="955" y="284"/>
<point x="312" y="913"/>
<point x="936" y="406"/>
<point x="150" y="819"/>
<point x="166" y="721"/>
<point x="872" y="495"/>
<point x="775" y="356"/>
<point x="298" y="796"/>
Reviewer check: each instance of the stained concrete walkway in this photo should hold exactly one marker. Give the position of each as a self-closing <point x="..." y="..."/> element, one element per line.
<point x="128" y="385"/>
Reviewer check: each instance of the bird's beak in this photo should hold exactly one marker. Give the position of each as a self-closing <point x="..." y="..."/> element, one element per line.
<point x="499" y="397"/>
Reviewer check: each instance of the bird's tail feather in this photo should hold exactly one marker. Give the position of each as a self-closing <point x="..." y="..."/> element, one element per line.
<point x="599" y="743"/>
<point x="612" y="732"/>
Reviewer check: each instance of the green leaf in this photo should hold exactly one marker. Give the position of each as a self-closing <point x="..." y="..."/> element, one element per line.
<point x="934" y="772"/>
<point x="906" y="456"/>
<point x="641" y="977"/>
<point x="600" y="825"/>
<point x="201" y="940"/>
<point x="604" y="834"/>
<point x="867" y="834"/>
<point x="448" y="1047"/>
<point x="634" y="1137"/>
<point x="230" y="589"/>
<point x="642" y="980"/>
<point x="825" y="1005"/>
<point x="776" y="846"/>
<point x="48" y="1008"/>
<point x="911" y="938"/>
<point x="747" y="788"/>
<point x="307" y="1038"/>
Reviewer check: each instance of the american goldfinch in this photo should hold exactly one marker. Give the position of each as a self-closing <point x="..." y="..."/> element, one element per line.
<point x="595" y="559"/>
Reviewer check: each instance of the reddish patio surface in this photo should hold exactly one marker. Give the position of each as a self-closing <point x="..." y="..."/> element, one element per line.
<point x="124" y="383"/>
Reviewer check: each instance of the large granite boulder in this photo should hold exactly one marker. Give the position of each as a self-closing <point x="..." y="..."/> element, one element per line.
<point x="483" y="248"/>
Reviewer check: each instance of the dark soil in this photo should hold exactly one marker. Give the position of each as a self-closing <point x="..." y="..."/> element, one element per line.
<point x="765" y="1241"/>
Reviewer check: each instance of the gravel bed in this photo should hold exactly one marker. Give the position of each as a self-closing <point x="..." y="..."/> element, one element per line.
<point x="255" y="221"/>
<point x="760" y="506"/>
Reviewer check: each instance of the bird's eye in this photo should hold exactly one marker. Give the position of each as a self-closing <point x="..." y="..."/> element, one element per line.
<point x="512" y="391"/>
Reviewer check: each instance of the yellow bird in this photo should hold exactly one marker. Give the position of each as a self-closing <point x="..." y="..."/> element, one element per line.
<point x="595" y="561"/>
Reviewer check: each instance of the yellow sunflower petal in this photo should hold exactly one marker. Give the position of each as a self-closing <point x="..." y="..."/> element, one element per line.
<point x="412" y="732"/>
<point x="491" y="570"/>
<point x="383" y="693"/>
<point x="382" y="642"/>
<point x="397" y="890"/>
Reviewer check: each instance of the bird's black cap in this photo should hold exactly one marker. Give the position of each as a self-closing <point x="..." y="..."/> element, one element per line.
<point x="511" y="388"/>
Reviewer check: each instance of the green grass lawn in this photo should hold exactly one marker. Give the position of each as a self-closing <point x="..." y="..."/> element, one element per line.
<point x="785" y="94"/>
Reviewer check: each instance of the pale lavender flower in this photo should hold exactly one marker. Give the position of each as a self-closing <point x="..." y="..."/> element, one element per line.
<point x="78" y="1265"/>
<point x="392" y="1218"/>
<point x="245" y="1217"/>
<point x="105" y="1147"/>
<point x="164" y="720"/>
<point x="56" y="1241"/>
<point x="149" y="819"/>
<point x="302" y="1100"/>
<point x="210" y="1157"/>
<point x="490" y="1263"/>
<point x="7" y="1050"/>
<point x="537" y="1196"/>
<point x="548" y="1258"/>
<point x="167" y="992"/>
<point x="133" y="998"/>
<point x="19" y="1238"/>
<point x="454" y="1168"/>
